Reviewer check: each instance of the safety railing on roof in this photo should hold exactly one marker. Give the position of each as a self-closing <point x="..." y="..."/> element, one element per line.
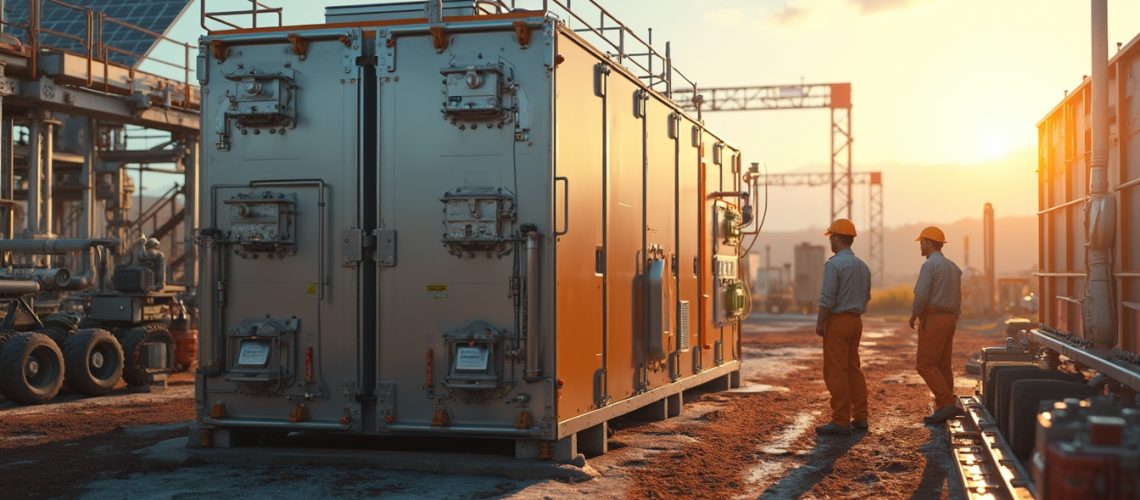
<point x="600" y="27"/>
<point x="586" y="17"/>
<point x="254" y="12"/>
<point x="592" y="21"/>
<point x="95" y="48"/>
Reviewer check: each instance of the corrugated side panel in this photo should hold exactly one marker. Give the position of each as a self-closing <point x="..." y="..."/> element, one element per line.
<point x="1064" y="144"/>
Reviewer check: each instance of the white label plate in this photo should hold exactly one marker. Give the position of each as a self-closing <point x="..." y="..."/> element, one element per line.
<point x="253" y="353"/>
<point x="471" y="358"/>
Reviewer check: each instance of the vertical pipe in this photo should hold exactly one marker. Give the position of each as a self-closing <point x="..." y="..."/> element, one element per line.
<point x="34" y="39"/>
<point x="1099" y="307"/>
<point x="533" y="367"/>
<point x="35" y="175"/>
<point x="7" y="176"/>
<point x="190" y="223"/>
<point x="5" y="167"/>
<point x="48" y="144"/>
<point x="88" y="181"/>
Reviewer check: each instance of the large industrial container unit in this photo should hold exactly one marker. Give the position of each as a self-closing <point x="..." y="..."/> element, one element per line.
<point x="1057" y="415"/>
<point x="465" y="225"/>
<point x="809" y="261"/>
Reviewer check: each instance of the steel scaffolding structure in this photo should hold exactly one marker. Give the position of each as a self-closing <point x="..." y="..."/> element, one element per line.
<point x="72" y="116"/>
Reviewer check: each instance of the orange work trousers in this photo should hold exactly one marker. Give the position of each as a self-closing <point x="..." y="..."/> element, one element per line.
<point x="935" y="350"/>
<point x="841" y="371"/>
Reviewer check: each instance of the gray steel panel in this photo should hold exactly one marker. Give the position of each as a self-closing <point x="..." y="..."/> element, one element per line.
<point x="429" y="291"/>
<point x="428" y="295"/>
<point x="322" y="146"/>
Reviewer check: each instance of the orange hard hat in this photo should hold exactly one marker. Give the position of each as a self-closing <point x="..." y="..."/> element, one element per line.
<point x="841" y="226"/>
<point x="932" y="233"/>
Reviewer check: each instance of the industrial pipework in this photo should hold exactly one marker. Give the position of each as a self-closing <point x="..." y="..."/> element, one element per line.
<point x="533" y="366"/>
<point x="1100" y="212"/>
<point x="86" y="276"/>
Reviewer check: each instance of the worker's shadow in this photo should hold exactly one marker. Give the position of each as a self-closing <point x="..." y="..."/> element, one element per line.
<point x="820" y="461"/>
<point x="939" y="467"/>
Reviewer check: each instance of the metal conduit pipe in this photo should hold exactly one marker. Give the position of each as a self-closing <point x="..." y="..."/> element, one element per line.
<point x="23" y="287"/>
<point x="50" y="279"/>
<point x="48" y="143"/>
<point x="1099" y="306"/>
<point x="53" y="247"/>
<point x="533" y="367"/>
<point x="86" y="276"/>
<point x="209" y="308"/>
<point x="35" y="174"/>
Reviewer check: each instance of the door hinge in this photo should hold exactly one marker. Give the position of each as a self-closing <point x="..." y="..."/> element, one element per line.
<point x="385" y="242"/>
<point x="353" y="243"/>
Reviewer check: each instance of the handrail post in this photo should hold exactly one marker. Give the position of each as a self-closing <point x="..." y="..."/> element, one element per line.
<point x="90" y="46"/>
<point x="34" y="38"/>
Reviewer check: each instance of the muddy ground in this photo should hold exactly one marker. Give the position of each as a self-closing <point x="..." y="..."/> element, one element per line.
<point x="757" y="441"/>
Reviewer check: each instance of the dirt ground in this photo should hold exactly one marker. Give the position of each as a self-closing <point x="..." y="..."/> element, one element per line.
<point x="757" y="441"/>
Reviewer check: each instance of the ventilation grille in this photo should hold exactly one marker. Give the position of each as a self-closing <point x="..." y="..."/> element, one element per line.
<point x="683" y="328"/>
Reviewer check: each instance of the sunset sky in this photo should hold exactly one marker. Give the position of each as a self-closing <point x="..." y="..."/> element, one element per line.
<point x="946" y="93"/>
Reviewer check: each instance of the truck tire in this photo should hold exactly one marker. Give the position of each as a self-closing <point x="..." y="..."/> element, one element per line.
<point x="134" y="341"/>
<point x="60" y="326"/>
<point x="1025" y="399"/>
<point x="1005" y="380"/>
<point x="94" y="361"/>
<point x="31" y="368"/>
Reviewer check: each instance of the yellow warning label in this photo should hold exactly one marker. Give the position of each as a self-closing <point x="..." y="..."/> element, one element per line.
<point x="310" y="289"/>
<point x="437" y="292"/>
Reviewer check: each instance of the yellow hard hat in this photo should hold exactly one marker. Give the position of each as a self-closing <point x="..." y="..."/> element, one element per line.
<point x="841" y="226"/>
<point x="932" y="233"/>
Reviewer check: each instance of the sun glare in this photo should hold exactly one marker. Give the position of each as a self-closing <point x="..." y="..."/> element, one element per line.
<point x="993" y="144"/>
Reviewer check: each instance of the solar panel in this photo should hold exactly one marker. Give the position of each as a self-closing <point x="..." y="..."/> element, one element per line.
<point x="154" y="15"/>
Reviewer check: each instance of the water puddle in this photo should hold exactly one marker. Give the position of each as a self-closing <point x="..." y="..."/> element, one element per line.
<point x="789" y="435"/>
<point x="756" y="388"/>
<point x="778" y="449"/>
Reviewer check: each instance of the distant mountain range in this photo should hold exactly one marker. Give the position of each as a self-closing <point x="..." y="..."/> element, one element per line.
<point x="1015" y="248"/>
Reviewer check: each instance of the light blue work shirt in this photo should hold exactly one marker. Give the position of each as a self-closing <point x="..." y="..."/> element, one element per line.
<point x="939" y="286"/>
<point x="846" y="284"/>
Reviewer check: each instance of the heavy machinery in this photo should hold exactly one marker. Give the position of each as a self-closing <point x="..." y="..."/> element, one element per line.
<point x="123" y="329"/>
<point x="80" y="107"/>
<point x="1057" y="414"/>
<point x="454" y="219"/>
<point x="38" y="356"/>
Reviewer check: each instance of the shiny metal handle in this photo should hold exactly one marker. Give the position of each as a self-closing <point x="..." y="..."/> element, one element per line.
<point x="565" y="205"/>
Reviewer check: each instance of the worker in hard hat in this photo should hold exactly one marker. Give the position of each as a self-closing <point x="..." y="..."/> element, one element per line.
<point x="937" y="305"/>
<point x="842" y="302"/>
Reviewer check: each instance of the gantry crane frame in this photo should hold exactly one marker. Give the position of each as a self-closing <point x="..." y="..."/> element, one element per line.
<point x="836" y="97"/>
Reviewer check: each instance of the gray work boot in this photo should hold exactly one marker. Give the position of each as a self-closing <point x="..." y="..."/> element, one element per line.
<point x="859" y="425"/>
<point x="833" y="429"/>
<point x="942" y="414"/>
